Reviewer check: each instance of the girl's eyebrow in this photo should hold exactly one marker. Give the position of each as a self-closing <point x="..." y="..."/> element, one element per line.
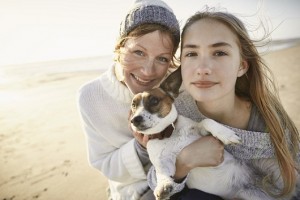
<point x="192" y="46"/>
<point x="218" y="44"/>
<point x="221" y="44"/>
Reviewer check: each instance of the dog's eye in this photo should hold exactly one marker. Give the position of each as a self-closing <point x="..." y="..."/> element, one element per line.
<point x="133" y="105"/>
<point x="154" y="101"/>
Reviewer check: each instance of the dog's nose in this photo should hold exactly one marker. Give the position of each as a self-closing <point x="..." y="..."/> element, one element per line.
<point x="137" y="120"/>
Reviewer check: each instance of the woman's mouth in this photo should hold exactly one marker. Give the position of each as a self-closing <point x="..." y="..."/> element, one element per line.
<point x="140" y="80"/>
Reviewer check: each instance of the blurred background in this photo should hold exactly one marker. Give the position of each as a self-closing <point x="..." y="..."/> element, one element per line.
<point x="45" y="30"/>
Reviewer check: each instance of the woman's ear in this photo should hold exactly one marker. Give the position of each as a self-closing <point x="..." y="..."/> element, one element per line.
<point x="243" y="68"/>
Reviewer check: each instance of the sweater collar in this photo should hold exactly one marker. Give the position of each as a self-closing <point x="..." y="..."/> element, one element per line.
<point x="114" y="87"/>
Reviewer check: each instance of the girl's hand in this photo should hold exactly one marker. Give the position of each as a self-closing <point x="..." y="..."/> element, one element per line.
<point x="141" y="138"/>
<point x="204" y="152"/>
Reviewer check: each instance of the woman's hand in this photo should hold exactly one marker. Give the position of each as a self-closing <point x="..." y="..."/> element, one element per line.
<point x="204" y="152"/>
<point x="141" y="138"/>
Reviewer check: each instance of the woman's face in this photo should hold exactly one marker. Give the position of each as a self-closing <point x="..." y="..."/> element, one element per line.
<point x="145" y="60"/>
<point x="210" y="61"/>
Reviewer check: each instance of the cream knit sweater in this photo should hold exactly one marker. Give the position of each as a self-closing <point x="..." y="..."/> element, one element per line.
<point x="104" y="105"/>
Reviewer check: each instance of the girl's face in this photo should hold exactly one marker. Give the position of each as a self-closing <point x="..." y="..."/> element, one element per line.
<point x="145" y="60"/>
<point x="210" y="61"/>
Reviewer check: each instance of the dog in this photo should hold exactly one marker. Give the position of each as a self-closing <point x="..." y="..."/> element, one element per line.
<point x="153" y="113"/>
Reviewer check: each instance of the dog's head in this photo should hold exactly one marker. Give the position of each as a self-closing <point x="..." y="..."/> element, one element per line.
<point x="152" y="111"/>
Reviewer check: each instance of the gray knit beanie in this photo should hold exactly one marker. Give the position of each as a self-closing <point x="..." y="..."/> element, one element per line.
<point x="150" y="11"/>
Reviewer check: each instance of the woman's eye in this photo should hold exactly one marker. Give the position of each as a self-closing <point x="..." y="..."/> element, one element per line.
<point x="138" y="52"/>
<point x="220" y="53"/>
<point x="163" y="59"/>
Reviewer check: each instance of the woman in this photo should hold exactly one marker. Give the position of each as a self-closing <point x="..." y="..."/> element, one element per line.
<point x="149" y="38"/>
<point x="226" y="80"/>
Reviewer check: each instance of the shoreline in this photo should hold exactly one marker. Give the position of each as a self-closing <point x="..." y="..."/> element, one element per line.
<point x="95" y="63"/>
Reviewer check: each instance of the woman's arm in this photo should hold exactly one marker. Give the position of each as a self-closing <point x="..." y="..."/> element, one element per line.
<point x="111" y="148"/>
<point x="116" y="163"/>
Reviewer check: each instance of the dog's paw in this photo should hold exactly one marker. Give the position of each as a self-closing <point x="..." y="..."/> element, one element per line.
<point x="226" y="135"/>
<point x="229" y="137"/>
<point x="163" y="192"/>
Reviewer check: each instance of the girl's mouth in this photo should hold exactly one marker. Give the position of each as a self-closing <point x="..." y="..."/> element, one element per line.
<point x="204" y="84"/>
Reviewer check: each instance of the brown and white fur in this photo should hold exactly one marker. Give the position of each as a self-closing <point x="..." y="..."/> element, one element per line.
<point x="153" y="111"/>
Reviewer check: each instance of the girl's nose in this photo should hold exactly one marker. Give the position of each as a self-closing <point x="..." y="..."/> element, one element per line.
<point x="204" y="66"/>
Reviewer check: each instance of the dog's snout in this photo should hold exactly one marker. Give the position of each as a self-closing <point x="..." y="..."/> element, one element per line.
<point x="137" y="120"/>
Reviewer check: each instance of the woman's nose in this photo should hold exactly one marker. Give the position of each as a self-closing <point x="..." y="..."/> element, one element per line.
<point x="148" y="67"/>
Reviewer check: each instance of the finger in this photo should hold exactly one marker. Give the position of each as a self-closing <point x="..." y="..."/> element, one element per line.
<point x="138" y="136"/>
<point x="146" y="138"/>
<point x="221" y="158"/>
<point x="135" y="134"/>
<point x="217" y="140"/>
<point x="220" y="143"/>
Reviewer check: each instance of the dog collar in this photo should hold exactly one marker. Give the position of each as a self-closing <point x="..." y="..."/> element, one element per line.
<point x="166" y="133"/>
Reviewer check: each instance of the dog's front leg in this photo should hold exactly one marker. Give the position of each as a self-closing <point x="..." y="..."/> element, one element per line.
<point x="227" y="136"/>
<point x="165" y="184"/>
<point x="163" y="159"/>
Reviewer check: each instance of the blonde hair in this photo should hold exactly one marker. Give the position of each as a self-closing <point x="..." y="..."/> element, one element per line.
<point x="258" y="86"/>
<point x="145" y="29"/>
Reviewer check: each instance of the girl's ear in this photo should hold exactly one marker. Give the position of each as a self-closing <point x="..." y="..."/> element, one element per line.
<point x="243" y="68"/>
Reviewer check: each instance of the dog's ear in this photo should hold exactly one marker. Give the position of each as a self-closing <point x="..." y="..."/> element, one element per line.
<point x="172" y="83"/>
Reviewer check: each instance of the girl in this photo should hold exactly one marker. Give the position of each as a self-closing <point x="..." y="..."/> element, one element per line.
<point x="226" y="80"/>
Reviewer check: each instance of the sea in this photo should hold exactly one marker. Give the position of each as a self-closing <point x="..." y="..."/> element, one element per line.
<point x="98" y="64"/>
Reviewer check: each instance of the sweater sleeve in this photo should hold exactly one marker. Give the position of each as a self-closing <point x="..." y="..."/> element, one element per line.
<point x="152" y="182"/>
<point x="111" y="146"/>
<point x="254" y="145"/>
<point x="142" y="154"/>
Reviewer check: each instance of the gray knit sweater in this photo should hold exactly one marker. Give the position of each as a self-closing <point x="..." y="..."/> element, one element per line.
<point x="255" y="143"/>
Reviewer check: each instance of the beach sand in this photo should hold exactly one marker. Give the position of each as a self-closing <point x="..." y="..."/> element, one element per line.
<point x="42" y="144"/>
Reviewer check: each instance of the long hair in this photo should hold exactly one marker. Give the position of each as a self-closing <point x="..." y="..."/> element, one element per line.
<point x="258" y="86"/>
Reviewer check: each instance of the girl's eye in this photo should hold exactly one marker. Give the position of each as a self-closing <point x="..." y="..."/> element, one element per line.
<point x="190" y="54"/>
<point x="220" y="53"/>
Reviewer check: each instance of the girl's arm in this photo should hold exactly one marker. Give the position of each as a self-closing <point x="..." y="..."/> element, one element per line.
<point x="204" y="152"/>
<point x="254" y="145"/>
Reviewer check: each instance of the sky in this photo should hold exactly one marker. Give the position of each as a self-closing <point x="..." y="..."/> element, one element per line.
<point x="46" y="30"/>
